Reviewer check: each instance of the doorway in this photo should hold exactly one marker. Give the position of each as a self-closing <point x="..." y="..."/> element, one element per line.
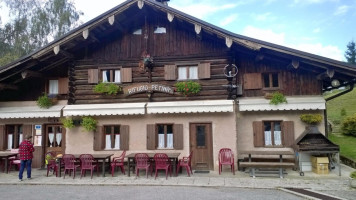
<point x="201" y="143"/>
<point x="55" y="139"/>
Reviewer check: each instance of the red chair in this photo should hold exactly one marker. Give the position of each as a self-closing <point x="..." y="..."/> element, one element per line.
<point x="69" y="164"/>
<point x="185" y="162"/>
<point x="118" y="162"/>
<point x="142" y="162"/>
<point x="87" y="163"/>
<point x="226" y="157"/>
<point x="14" y="161"/>
<point x="50" y="159"/>
<point x="162" y="162"/>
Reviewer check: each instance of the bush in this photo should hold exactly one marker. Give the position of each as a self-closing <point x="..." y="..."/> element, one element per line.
<point x="107" y="88"/>
<point x="311" y="119"/>
<point x="348" y="126"/>
<point x="67" y="122"/>
<point x="277" y="98"/>
<point x="89" y="123"/>
<point x="44" y="101"/>
<point x="188" y="88"/>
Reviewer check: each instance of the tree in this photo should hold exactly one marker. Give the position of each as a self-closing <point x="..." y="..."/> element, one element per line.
<point x="33" y="24"/>
<point x="350" y="53"/>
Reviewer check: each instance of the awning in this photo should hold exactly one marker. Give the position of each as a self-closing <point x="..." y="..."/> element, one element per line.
<point x="104" y="109"/>
<point x="30" y="112"/>
<point x="191" y="106"/>
<point x="294" y="103"/>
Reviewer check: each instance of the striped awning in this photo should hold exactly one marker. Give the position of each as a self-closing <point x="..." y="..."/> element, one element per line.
<point x="294" y="103"/>
<point x="104" y="109"/>
<point x="30" y="112"/>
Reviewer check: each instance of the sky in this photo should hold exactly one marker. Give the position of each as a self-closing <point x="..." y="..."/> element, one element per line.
<point x="321" y="27"/>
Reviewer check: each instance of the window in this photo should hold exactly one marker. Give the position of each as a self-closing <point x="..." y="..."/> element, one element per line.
<point x="112" y="137"/>
<point x="14" y="136"/>
<point x="187" y="72"/>
<point x="54" y="136"/>
<point x="272" y="133"/>
<point x="53" y="87"/>
<point x="165" y="136"/>
<point x="111" y="75"/>
<point x="270" y="80"/>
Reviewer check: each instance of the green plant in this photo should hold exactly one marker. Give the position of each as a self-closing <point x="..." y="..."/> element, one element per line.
<point x="348" y="126"/>
<point x="277" y="98"/>
<point x="89" y="123"/>
<point x="67" y="122"/>
<point x="353" y="175"/>
<point x="343" y="112"/>
<point x="188" y="88"/>
<point x="107" y="88"/>
<point x="311" y="119"/>
<point x="44" y="101"/>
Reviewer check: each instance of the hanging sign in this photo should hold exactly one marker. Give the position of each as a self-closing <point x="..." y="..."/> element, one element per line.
<point x="147" y="87"/>
<point x="38" y="129"/>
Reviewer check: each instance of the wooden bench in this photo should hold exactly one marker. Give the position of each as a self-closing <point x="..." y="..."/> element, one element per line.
<point x="263" y="164"/>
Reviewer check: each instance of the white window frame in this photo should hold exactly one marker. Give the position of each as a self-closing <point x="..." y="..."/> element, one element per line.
<point x="116" y="72"/>
<point x="112" y="136"/>
<point x="273" y="138"/>
<point x="188" y="72"/>
<point x="165" y="140"/>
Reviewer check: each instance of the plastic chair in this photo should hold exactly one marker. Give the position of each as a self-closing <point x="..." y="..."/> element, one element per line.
<point x="187" y="163"/>
<point x="50" y="159"/>
<point x="226" y="157"/>
<point x="162" y="162"/>
<point x="142" y="162"/>
<point x="14" y="161"/>
<point x="118" y="162"/>
<point x="86" y="161"/>
<point x="69" y="164"/>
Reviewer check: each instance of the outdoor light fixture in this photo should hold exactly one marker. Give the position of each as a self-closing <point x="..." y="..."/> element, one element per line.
<point x="335" y="83"/>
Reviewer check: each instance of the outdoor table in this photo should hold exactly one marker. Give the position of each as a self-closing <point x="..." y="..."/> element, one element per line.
<point x="97" y="157"/>
<point x="6" y="155"/>
<point x="172" y="156"/>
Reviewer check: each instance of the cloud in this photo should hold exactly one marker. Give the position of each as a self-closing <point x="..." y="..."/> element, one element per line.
<point x="328" y="51"/>
<point x="265" y="35"/>
<point x="341" y="10"/>
<point x="316" y="30"/>
<point x="227" y="20"/>
<point x="262" y="17"/>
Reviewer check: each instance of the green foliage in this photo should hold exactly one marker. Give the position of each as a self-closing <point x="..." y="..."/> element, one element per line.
<point x="277" y="98"/>
<point x="348" y="126"/>
<point x="343" y="112"/>
<point x="353" y="175"/>
<point x="350" y="53"/>
<point x="311" y="119"/>
<point x="107" y="88"/>
<point x="346" y="143"/>
<point x="44" y="101"/>
<point x="188" y="88"/>
<point x="89" y="123"/>
<point x="67" y="122"/>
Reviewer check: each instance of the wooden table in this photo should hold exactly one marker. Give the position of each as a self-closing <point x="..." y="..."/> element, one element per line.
<point x="6" y="155"/>
<point x="172" y="156"/>
<point x="97" y="157"/>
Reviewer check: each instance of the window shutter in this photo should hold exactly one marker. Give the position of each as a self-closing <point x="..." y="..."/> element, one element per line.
<point x="258" y="138"/>
<point x="126" y="75"/>
<point x="124" y="137"/>
<point x="170" y="72"/>
<point x="288" y="133"/>
<point x="27" y="130"/>
<point x="151" y="136"/>
<point x="252" y="81"/>
<point x="63" y="85"/>
<point x="3" y="141"/>
<point x="204" y="70"/>
<point x="93" y="75"/>
<point x="178" y="136"/>
<point x="99" y="138"/>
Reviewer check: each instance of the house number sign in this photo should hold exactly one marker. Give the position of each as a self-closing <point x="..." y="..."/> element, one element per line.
<point x="147" y="87"/>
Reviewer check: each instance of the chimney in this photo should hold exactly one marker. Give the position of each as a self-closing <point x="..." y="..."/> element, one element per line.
<point x="164" y="2"/>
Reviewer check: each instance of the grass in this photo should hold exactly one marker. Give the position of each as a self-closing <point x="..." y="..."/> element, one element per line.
<point x="347" y="144"/>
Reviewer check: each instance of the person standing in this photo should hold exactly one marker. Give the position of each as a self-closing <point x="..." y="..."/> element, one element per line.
<point x="26" y="150"/>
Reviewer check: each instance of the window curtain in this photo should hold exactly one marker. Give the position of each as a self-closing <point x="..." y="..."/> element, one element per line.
<point x="50" y="137"/>
<point x="117" y="141"/>
<point x="117" y="76"/>
<point x="268" y="138"/>
<point x="107" y="141"/>
<point x="20" y="138"/>
<point x="182" y="73"/>
<point x="58" y="138"/>
<point x="170" y="140"/>
<point x="277" y="138"/>
<point x="160" y="140"/>
<point x="9" y="141"/>
<point x="105" y="76"/>
<point x="193" y="72"/>
<point x="53" y="87"/>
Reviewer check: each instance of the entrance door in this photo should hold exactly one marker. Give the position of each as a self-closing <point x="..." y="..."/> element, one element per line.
<point x="201" y="144"/>
<point x="55" y="139"/>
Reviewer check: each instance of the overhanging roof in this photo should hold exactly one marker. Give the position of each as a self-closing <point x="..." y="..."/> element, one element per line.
<point x="191" y="106"/>
<point x="104" y="109"/>
<point x="30" y="112"/>
<point x="294" y="103"/>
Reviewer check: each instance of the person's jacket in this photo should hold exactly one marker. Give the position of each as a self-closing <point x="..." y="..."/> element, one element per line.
<point x="26" y="150"/>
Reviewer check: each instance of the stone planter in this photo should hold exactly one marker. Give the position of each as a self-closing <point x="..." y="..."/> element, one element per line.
<point x="352" y="182"/>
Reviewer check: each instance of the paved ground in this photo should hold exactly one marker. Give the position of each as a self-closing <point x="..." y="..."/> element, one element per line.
<point x="330" y="184"/>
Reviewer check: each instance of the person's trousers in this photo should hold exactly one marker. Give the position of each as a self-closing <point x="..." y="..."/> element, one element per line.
<point x="27" y="164"/>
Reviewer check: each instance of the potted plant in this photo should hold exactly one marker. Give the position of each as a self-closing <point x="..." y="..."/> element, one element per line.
<point x="67" y="122"/>
<point x="107" y="88"/>
<point x="44" y="101"/>
<point x="277" y="98"/>
<point x="89" y="123"/>
<point x="312" y="120"/>
<point x="353" y="179"/>
<point x="188" y="88"/>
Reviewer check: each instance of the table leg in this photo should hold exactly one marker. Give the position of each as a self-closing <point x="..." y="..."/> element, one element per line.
<point x="128" y="165"/>
<point x="103" y="173"/>
<point x="6" y="165"/>
<point x="59" y="167"/>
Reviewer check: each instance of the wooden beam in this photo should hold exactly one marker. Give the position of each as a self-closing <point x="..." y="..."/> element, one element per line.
<point x="4" y="86"/>
<point x="294" y="64"/>
<point x="329" y="73"/>
<point x="67" y="54"/>
<point x="259" y="57"/>
<point x="29" y="73"/>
